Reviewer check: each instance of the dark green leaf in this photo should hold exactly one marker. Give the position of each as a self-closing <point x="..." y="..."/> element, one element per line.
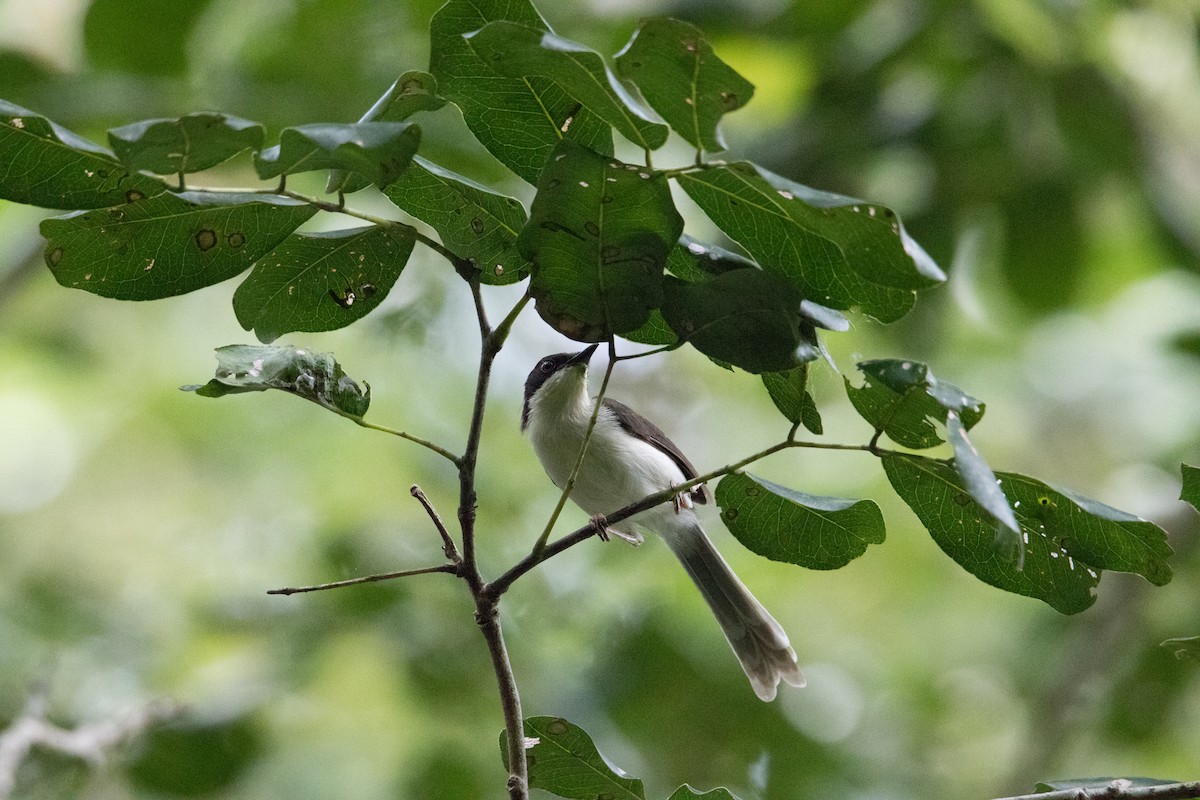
<point x="412" y="92"/>
<point x="169" y="244"/>
<point x="43" y="164"/>
<point x="1189" y="492"/>
<point x="655" y="331"/>
<point x="322" y="281"/>
<point x="694" y="261"/>
<point x="472" y="220"/>
<point x="520" y="51"/>
<point x="314" y="376"/>
<point x="597" y="264"/>
<point x="838" y="251"/>
<point x="747" y="317"/>
<point x="194" y="758"/>
<point x="797" y="528"/>
<point x="968" y="534"/>
<point x="789" y="392"/>
<point x="981" y="482"/>
<point x="1184" y="647"/>
<point x="564" y="761"/>
<point x="686" y="792"/>
<point x="378" y="151"/>
<point x="903" y="399"/>
<point x="519" y="120"/>
<point x="681" y="77"/>
<point x="188" y="144"/>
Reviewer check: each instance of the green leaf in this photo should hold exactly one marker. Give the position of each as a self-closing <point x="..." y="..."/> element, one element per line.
<point x="903" y="399"/>
<point x="412" y="93"/>
<point x="194" y="757"/>
<point x="322" y="281"/>
<point x="187" y="144"/>
<point x="789" y="392"/>
<point x="44" y="164"/>
<point x="983" y="486"/>
<point x="519" y="120"/>
<point x="694" y="261"/>
<point x="1189" y="492"/>
<point x="472" y="220"/>
<point x="564" y="761"/>
<point x="520" y="51"/>
<point x="746" y="317"/>
<point x="598" y="264"/>
<point x="681" y="77"/>
<point x="797" y="528"/>
<point x="1184" y="647"/>
<point x="378" y="151"/>
<point x="686" y="792"/>
<point x="316" y="377"/>
<point x="655" y="332"/>
<point x="837" y="251"/>
<point x="169" y="244"/>
<point x="1068" y="539"/>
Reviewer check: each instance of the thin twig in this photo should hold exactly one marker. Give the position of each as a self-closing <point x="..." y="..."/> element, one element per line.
<point x="1119" y="789"/>
<point x="448" y="547"/>
<point x="357" y="420"/>
<point x="451" y="569"/>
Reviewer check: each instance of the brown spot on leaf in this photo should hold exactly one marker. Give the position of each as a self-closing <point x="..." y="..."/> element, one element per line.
<point x="206" y="239"/>
<point x="133" y="195"/>
<point x="591" y="227"/>
<point x="236" y="239"/>
<point x="477" y="225"/>
<point x="54" y="257"/>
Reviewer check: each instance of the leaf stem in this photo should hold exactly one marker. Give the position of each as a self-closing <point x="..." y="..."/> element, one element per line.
<point x="357" y="420"/>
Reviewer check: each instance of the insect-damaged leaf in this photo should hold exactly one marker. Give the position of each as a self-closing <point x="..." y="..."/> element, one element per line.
<point x="597" y="263"/>
<point x="797" y="528"/>
<point x="313" y="376"/>
<point x="564" y="761"/>
<point x="187" y="144"/>
<point x="534" y="113"/>
<point x="519" y="51"/>
<point x="681" y="77"/>
<point x="322" y="281"/>
<point x="169" y="244"/>
<point x="378" y="151"/>
<point x="903" y="399"/>
<point x="838" y="251"/>
<point x="44" y="164"/>
<point x="472" y="220"/>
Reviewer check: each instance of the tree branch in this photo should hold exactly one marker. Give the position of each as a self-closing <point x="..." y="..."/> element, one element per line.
<point x="450" y="569"/>
<point x="448" y="548"/>
<point x="1119" y="789"/>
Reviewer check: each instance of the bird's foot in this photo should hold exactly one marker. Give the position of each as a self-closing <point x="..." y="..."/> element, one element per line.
<point x="600" y="523"/>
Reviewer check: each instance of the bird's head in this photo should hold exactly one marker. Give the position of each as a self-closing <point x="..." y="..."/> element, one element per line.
<point x="559" y="373"/>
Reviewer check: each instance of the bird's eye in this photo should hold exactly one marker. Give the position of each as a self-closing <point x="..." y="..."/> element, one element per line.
<point x="547" y="366"/>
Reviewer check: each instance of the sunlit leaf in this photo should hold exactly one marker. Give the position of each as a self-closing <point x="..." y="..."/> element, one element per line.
<point x="187" y="144"/>
<point x="686" y="792"/>
<point x="903" y="399"/>
<point x="789" y="392"/>
<point x="316" y="377"/>
<point x="681" y="77"/>
<point x="837" y="251"/>
<point x="378" y="151"/>
<point x="1189" y="492"/>
<point x="322" y="281"/>
<point x="44" y="164"/>
<point x="564" y="761"/>
<point x="169" y="244"/>
<point x="519" y="120"/>
<point x="473" y="221"/>
<point x="520" y="51"/>
<point x="598" y="264"/>
<point x="783" y="524"/>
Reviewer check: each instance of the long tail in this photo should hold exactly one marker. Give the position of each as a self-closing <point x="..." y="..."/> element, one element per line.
<point x="756" y="638"/>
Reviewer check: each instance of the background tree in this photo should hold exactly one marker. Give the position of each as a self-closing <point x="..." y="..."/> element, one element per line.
<point x="1031" y="153"/>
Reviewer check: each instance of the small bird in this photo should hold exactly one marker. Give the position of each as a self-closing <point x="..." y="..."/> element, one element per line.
<point x="628" y="457"/>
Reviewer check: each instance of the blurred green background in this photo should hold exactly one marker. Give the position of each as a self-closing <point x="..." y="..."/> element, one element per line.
<point x="1045" y="152"/>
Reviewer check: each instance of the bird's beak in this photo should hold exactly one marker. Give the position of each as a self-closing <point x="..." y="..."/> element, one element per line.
<point x="583" y="356"/>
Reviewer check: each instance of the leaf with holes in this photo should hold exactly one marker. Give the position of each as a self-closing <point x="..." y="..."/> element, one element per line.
<point x="598" y="264"/>
<point x="378" y="151"/>
<point x="169" y="244"/>
<point x="564" y="761"/>
<point x="322" y="281"/>
<point x="837" y="251"/>
<point x="412" y="93"/>
<point x="789" y="392"/>
<point x="472" y="220"/>
<point x="316" y="377"/>
<point x="519" y="120"/>
<point x="187" y="144"/>
<point x="682" y="79"/>
<point x="520" y="51"/>
<point x="797" y="528"/>
<point x="903" y="399"/>
<point x="746" y="317"/>
<point x="44" y="164"/>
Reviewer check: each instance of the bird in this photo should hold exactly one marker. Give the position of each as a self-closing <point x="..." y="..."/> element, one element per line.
<point x="628" y="458"/>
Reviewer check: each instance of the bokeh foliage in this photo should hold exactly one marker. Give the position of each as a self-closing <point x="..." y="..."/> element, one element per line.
<point x="1033" y="149"/>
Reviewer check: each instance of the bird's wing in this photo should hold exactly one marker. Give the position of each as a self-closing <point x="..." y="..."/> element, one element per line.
<point x="647" y="431"/>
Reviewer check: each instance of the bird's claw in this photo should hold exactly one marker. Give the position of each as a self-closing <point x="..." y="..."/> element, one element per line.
<point x="600" y="523"/>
